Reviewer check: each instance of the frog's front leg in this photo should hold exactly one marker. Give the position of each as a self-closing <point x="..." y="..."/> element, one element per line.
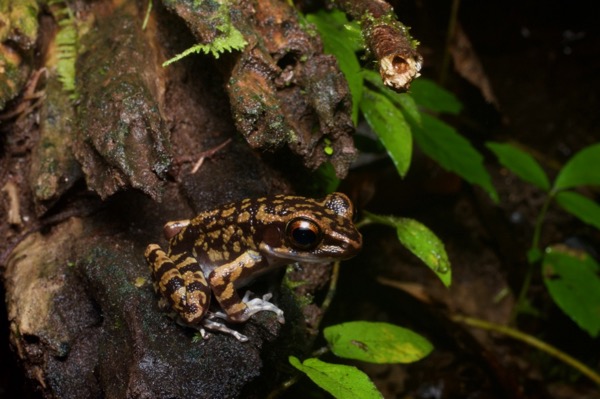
<point x="181" y="282"/>
<point x="222" y="281"/>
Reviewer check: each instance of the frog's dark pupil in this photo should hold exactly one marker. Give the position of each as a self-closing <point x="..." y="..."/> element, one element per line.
<point x="304" y="237"/>
<point x="303" y="233"/>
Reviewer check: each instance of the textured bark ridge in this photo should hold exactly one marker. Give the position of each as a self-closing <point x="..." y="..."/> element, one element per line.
<point x="283" y="90"/>
<point x="122" y="140"/>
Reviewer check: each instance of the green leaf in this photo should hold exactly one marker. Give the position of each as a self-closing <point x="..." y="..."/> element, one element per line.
<point x="441" y="142"/>
<point x="402" y="100"/>
<point x="421" y="241"/>
<point x="521" y="164"/>
<point x="572" y="278"/>
<point x="376" y="342"/>
<point x="391" y="128"/>
<point x="343" y="382"/>
<point x="342" y="39"/>
<point x="581" y="170"/>
<point x="429" y="95"/>
<point x="587" y="210"/>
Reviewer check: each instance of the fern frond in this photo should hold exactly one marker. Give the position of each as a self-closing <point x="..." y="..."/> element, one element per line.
<point x="67" y="44"/>
<point x="233" y="41"/>
<point x="231" y="38"/>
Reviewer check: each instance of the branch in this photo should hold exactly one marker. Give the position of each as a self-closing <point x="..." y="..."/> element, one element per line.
<point x="388" y="40"/>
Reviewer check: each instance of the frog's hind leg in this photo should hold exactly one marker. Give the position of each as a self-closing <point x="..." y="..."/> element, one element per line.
<point x="222" y="281"/>
<point x="181" y="282"/>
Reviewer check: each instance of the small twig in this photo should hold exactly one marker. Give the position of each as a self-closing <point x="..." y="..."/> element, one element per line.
<point x="388" y="40"/>
<point x="335" y="275"/>
<point x="208" y="154"/>
<point x="29" y="95"/>
<point x="531" y="341"/>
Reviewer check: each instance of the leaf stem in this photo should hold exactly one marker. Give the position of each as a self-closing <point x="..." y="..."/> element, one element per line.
<point x="532" y="261"/>
<point x="531" y="341"/>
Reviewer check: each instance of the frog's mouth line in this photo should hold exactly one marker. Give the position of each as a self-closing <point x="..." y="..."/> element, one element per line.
<point x="315" y="256"/>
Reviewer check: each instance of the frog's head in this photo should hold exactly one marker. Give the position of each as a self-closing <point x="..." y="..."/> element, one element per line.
<point x="313" y="231"/>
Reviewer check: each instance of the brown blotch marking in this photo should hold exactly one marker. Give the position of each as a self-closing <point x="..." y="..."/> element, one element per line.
<point x="211" y="224"/>
<point x="215" y="234"/>
<point x="236" y="247"/>
<point x="228" y="212"/>
<point x="199" y="243"/>
<point x="243" y="217"/>
<point x="214" y="255"/>
<point x="227" y="233"/>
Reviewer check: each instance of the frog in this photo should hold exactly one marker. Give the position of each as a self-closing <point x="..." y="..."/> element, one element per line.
<point x="224" y="249"/>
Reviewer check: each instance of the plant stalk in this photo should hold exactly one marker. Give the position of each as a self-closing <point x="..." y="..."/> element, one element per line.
<point x="531" y="341"/>
<point x="535" y="246"/>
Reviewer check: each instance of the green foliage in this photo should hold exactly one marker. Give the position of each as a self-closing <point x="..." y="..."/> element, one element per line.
<point x="581" y="207"/>
<point x="396" y="137"/>
<point x="396" y="117"/>
<point x="451" y="150"/>
<point x="365" y="341"/>
<point x="521" y="164"/>
<point x="573" y="280"/>
<point x="376" y="342"/>
<point x="421" y="241"/>
<point x="230" y="38"/>
<point x="581" y="170"/>
<point x="343" y="382"/>
<point x="434" y="98"/>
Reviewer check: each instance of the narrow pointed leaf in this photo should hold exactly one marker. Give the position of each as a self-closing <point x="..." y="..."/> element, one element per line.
<point x="388" y="123"/>
<point x="343" y="382"/>
<point x="452" y="151"/>
<point x="521" y="164"/>
<point x="573" y="280"/>
<point x="587" y="210"/>
<point x="421" y="241"/>
<point x="376" y="342"/>
<point x="581" y="170"/>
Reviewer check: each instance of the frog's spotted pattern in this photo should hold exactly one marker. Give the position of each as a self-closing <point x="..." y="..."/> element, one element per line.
<point x="223" y="249"/>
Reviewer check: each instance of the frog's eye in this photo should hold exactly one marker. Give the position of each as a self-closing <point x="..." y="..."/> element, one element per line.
<point x="303" y="233"/>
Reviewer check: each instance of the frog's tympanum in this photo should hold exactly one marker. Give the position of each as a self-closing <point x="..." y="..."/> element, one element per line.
<point x="224" y="249"/>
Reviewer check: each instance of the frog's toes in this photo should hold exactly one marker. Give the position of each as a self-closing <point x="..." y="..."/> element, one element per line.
<point x="218" y="326"/>
<point x="262" y="304"/>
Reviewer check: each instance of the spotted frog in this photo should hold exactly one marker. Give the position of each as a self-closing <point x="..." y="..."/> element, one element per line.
<point x="223" y="249"/>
